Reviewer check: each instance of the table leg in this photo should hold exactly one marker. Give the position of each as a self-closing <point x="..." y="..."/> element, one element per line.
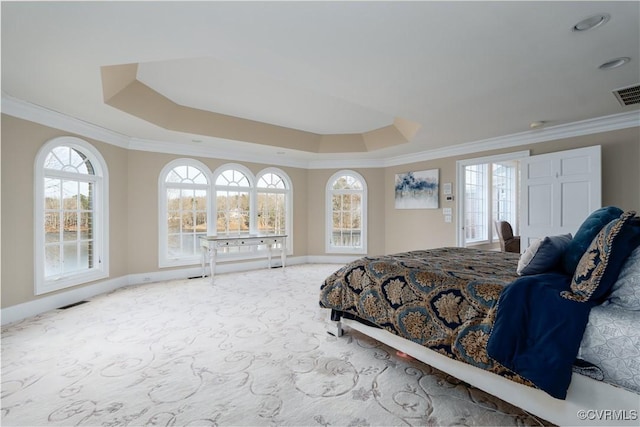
<point x="212" y="261"/>
<point x="283" y="255"/>
<point x="269" y="253"/>
<point x="203" y="261"/>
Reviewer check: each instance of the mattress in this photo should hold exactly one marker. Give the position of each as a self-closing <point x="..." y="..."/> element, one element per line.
<point x="611" y="341"/>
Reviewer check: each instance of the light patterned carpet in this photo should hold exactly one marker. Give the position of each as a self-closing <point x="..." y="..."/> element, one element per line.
<point x="250" y="350"/>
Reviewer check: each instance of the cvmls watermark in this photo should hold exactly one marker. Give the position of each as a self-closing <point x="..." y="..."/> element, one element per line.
<point x="608" y="414"/>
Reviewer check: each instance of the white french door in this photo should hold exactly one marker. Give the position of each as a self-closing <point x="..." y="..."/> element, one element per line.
<point x="488" y="191"/>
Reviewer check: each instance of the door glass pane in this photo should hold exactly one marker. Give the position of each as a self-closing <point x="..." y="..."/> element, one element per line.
<point x="475" y="203"/>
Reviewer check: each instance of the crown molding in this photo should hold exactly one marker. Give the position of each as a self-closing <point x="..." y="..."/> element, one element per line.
<point x="35" y="113"/>
<point x="345" y="164"/>
<point x="568" y="130"/>
<point x="202" y="149"/>
<point x="38" y="114"/>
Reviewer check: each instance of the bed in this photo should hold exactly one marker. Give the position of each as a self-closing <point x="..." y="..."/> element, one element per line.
<point x="469" y="313"/>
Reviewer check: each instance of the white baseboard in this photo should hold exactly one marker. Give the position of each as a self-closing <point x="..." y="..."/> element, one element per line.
<point x="18" y="312"/>
<point x="332" y="259"/>
<point x="22" y="311"/>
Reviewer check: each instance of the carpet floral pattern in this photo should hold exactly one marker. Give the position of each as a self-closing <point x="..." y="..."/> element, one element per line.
<point x="252" y="349"/>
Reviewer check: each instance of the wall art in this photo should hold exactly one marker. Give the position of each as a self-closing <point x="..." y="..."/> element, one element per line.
<point x="417" y="190"/>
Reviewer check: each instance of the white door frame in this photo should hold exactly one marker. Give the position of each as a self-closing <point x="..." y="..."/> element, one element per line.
<point x="460" y="165"/>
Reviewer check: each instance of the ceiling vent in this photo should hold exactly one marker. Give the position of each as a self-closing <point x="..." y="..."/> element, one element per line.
<point x="628" y="96"/>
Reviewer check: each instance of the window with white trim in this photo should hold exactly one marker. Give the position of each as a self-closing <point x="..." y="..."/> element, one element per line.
<point x="274" y="204"/>
<point x="71" y="215"/>
<point x="233" y="187"/>
<point x="346" y="202"/>
<point x="184" y="211"/>
<point x="490" y="190"/>
<point x="274" y="200"/>
<point x="192" y="200"/>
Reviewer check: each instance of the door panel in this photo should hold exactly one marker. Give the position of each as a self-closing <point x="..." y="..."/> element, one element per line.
<point x="559" y="190"/>
<point x="540" y="195"/>
<point x="576" y="203"/>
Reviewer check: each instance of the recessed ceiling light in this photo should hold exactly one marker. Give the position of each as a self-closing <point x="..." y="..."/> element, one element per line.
<point x="615" y="63"/>
<point x="591" y="22"/>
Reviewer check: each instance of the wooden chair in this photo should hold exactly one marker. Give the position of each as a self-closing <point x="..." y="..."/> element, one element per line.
<point x="508" y="242"/>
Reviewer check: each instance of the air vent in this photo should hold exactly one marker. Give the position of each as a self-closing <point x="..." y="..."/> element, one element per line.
<point x="628" y="96"/>
<point x="75" y="304"/>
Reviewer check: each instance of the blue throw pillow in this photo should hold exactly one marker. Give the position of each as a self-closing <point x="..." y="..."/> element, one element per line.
<point x="543" y="255"/>
<point x="585" y="234"/>
<point x="600" y="265"/>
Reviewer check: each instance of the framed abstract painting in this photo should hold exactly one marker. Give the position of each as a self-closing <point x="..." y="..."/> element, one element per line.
<point x="417" y="190"/>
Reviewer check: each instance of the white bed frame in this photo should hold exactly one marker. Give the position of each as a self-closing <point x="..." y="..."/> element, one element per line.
<point x="589" y="402"/>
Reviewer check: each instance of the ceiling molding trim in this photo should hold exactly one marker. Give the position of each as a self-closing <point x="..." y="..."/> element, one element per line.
<point x="35" y="113"/>
<point x="345" y="164"/>
<point x="207" y="151"/>
<point x="38" y="114"/>
<point x="569" y="130"/>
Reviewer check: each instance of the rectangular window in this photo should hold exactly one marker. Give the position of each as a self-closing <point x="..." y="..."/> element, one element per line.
<point x="233" y="217"/>
<point x="233" y="212"/>
<point x="504" y="196"/>
<point x="186" y="221"/>
<point x="490" y="195"/>
<point x="346" y="220"/>
<point x="68" y="227"/>
<point x="475" y="203"/>
<point x="271" y="213"/>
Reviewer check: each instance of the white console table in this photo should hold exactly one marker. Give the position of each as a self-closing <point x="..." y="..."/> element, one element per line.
<point x="211" y="244"/>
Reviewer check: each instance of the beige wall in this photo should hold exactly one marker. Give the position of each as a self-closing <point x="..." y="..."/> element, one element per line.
<point x="134" y="201"/>
<point x="415" y="229"/>
<point x="21" y="141"/>
<point x="411" y="229"/>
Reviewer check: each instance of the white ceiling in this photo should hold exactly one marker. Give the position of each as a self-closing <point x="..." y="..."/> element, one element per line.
<point x="466" y="71"/>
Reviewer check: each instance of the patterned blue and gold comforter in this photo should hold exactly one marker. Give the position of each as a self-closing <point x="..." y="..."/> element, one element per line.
<point x="444" y="299"/>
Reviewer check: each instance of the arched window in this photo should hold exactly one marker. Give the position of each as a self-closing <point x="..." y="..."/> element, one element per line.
<point x="234" y="186"/>
<point x="184" y="211"/>
<point x="71" y="208"/>
<point x="274" y="203"/>
<point x="228" y="202"/>
<point x="346" y="213"/>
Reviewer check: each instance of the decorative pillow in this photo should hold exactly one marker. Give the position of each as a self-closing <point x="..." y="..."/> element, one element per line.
<point x="585" y="234"/>
<point x="599" y="266"/>
<point x="625" y="292"/>
<point x="543" y="255"/>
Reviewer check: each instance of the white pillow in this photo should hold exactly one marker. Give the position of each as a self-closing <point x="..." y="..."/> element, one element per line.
<point x="625" y="292"/>
<point x="543" y="255"/>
